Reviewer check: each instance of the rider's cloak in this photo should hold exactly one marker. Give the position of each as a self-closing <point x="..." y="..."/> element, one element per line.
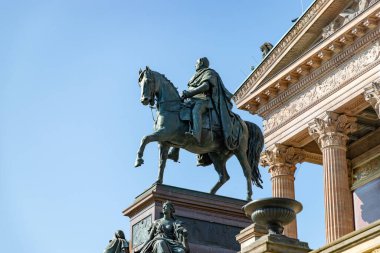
<point x="221" y="102"/>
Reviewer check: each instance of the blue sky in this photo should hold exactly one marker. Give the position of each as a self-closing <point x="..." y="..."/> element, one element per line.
<point x="71" y="120"/>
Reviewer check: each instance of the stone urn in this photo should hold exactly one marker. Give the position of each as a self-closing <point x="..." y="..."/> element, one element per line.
<point x="273" y="213"/>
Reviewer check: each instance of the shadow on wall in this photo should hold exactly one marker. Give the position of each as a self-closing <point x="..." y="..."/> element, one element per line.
<point x="367" y="203"/>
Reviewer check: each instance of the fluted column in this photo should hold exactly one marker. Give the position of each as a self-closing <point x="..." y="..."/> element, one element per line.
<point x="331" y="136"/>
<point x="281" y="161"/>
<point x="372" y="95"/>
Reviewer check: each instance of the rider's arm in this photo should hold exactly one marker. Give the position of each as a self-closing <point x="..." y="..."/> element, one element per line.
<point x="201" y="88"/>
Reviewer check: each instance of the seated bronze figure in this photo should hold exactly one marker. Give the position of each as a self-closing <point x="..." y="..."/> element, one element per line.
<point x="166" y="235"/>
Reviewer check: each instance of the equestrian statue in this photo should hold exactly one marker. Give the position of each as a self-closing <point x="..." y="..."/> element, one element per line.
<point x="200" y="120"/>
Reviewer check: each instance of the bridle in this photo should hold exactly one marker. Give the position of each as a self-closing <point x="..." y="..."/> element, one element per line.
<point x="149" y="81"/>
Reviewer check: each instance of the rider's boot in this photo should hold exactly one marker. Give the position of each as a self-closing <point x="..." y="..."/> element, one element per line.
<point x="197" y="128"/>
<point x="174" y="154"/>
<point x="191" y="136"/>
<point x="194" y="135"/>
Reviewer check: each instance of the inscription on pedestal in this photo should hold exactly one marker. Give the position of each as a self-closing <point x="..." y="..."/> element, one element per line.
<point x="140" y="231"/>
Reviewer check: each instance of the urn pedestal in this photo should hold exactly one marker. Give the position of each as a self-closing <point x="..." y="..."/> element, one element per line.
<point x="271" y="214"/>
<point x="212" y="221"/>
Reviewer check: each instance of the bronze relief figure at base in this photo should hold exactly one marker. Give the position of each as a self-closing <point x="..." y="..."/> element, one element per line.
<point x="118" y="244"/>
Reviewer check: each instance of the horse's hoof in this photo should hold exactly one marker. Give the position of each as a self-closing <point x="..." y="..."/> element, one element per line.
<point x="249" y="198"/>
<point x="139" y="162"/>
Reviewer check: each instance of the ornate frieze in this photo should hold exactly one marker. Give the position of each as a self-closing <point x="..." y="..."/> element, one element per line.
<point x="333" y="130"/>
<point x="368" y="170"/>
<point x="372" y="96"/>
<point x="342" y="75"/>
<point x="282" y="155"/>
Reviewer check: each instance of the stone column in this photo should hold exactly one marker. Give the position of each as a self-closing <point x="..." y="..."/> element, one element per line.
<point x="331" y="136"/>
<point x="281" y="161"/>
<point x="372" y="95"/>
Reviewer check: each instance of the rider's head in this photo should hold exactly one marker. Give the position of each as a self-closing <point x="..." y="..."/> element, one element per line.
<point x="119" y="234"/>
<point x="202" y="63"/>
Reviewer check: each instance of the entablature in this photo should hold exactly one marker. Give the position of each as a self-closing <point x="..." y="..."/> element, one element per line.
<point x="280" y="88"/>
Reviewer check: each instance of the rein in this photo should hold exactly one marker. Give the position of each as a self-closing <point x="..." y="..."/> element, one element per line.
<point x="164" y="102"/>
<point x="161" y="105"/>
<point x="151" y="110"/>
<point x="168" y="101"/>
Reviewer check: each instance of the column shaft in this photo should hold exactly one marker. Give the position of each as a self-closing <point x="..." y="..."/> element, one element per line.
<point x="338" y="197"/>
<point x="283" y="187"/>
<point x="331" y="135"/>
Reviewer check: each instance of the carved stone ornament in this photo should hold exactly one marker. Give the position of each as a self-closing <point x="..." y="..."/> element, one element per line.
<point x="367" y="170"/>
<point x="282" y="171"/>
<point x="372" y="96"/>
<point x="340" y="76"/>
<point x="357" y="7"/>
<point x="282" y="156"/>
<point x="333" y="130"/>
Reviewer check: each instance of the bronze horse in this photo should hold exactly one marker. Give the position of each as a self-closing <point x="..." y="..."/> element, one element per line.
<point x="170" y="130"/>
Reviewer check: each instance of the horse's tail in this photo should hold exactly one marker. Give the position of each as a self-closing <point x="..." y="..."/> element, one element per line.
<point x="255" y="146"/>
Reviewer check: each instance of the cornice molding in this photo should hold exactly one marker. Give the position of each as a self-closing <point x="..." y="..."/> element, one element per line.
<point x="307" y="64"/>
<point x="280" y="48"/>
<point x="327" y="67"/>
<point x="322" y="83"/>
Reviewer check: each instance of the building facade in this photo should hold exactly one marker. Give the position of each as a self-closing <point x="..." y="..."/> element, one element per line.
<point x="318" y="92"/>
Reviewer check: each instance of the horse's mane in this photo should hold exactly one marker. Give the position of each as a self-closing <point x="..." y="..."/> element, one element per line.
<point x="166" y="79"/>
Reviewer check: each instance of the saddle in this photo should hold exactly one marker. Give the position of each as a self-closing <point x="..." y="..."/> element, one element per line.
<point x="209" y="118"/>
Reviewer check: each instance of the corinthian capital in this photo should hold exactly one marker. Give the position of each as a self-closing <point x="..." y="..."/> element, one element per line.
<point x="281" y="155"/>
<point x="333" y="130"/>
<point x="372" y="96"/>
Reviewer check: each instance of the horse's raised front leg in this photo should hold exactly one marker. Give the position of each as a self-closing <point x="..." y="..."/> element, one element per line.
<point x="164" y="150"/>
<point x="144" y="141"/>
<point x="219" y="161"/>
<point x="242" y="157"/>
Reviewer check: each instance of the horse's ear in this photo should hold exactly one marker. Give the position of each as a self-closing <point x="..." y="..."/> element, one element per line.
<point x="140" y="71"/>
<point x="147" y="68"/>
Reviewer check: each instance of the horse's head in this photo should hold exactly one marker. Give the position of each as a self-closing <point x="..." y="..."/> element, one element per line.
<point x="147" y="85"/>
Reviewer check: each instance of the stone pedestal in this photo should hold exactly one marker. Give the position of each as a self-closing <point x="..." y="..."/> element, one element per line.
<point x="212" y="221"/>
<point x="276" y="244"/>
<point x="251" y="234"/>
